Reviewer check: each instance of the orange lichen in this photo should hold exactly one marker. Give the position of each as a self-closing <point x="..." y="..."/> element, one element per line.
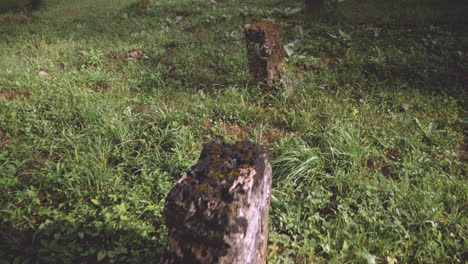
<point x="220" y="170"/>
<point x="233" y="174"/>
<point x="270" y="29"/>
<point x="248" y="151"/>
<point x="202" y="187"/>
<point x="13" y="95"/>
<point x="197" y="251"/>
<point x="215" y="149"/>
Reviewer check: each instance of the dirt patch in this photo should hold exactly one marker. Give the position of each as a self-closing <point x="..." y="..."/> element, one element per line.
<point x="136" y="54"/>
<point x="373" y="163"/>
<point x="34" y="165"/>
<point x="274" y="135"/>
<point x="181" y="15"/>
<point x="139" y="108"/>
<point x="393" y="154"/>
<point x="462" y="149"/>
<point x="223" y="4"/>
<point x="281" y="124"/>
<point x="4" y="139"/>
<point x="116" y="61"/>
<point x="235" y="132"/>
<point x="144" y="4"/>
<point x="388" y="169"/>
<point x="229" y="129"/>
<point x="329" y="60"/>
<point x="117" y="56"/>
<point x="4" y="142"/>
<point x="16" y="19"/>
<point x="13" y="95"/>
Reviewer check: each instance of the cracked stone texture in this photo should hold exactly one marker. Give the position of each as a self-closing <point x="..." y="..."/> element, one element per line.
<point x="266" y="54"/>
<point x="218" y="211"/>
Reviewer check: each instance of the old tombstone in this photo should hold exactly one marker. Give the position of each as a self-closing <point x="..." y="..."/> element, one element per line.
<point x="218" y="211"/>
<point x="266" y="54"/>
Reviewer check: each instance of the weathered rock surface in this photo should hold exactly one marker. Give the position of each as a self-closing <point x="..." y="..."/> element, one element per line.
<point x="266" y="54"/>
<point x="218" y="211"/>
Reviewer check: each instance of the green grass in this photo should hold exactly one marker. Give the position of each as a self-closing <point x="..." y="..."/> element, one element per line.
<point x="368" y="153"/>
<point x="6" y="5"/>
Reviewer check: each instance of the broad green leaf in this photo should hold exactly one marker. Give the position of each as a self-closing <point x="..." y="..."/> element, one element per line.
<point x="96" y="202"/>
<point x="101" y="255"/>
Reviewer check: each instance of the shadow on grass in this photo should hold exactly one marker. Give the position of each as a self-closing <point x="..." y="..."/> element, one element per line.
<point x="428" y="81"/>
<point x="74" y="242"/>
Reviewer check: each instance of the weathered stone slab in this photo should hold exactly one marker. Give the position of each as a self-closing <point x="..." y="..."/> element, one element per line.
<point x="266" y="54"/>
<point x="218" y="211"/>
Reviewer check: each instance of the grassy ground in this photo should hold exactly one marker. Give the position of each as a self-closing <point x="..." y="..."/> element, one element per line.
<point x="369" y="151"/>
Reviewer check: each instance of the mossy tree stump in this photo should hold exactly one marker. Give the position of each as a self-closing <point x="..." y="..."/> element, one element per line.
<point x="218" y="211"/>
<point x="266" y="54"/>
